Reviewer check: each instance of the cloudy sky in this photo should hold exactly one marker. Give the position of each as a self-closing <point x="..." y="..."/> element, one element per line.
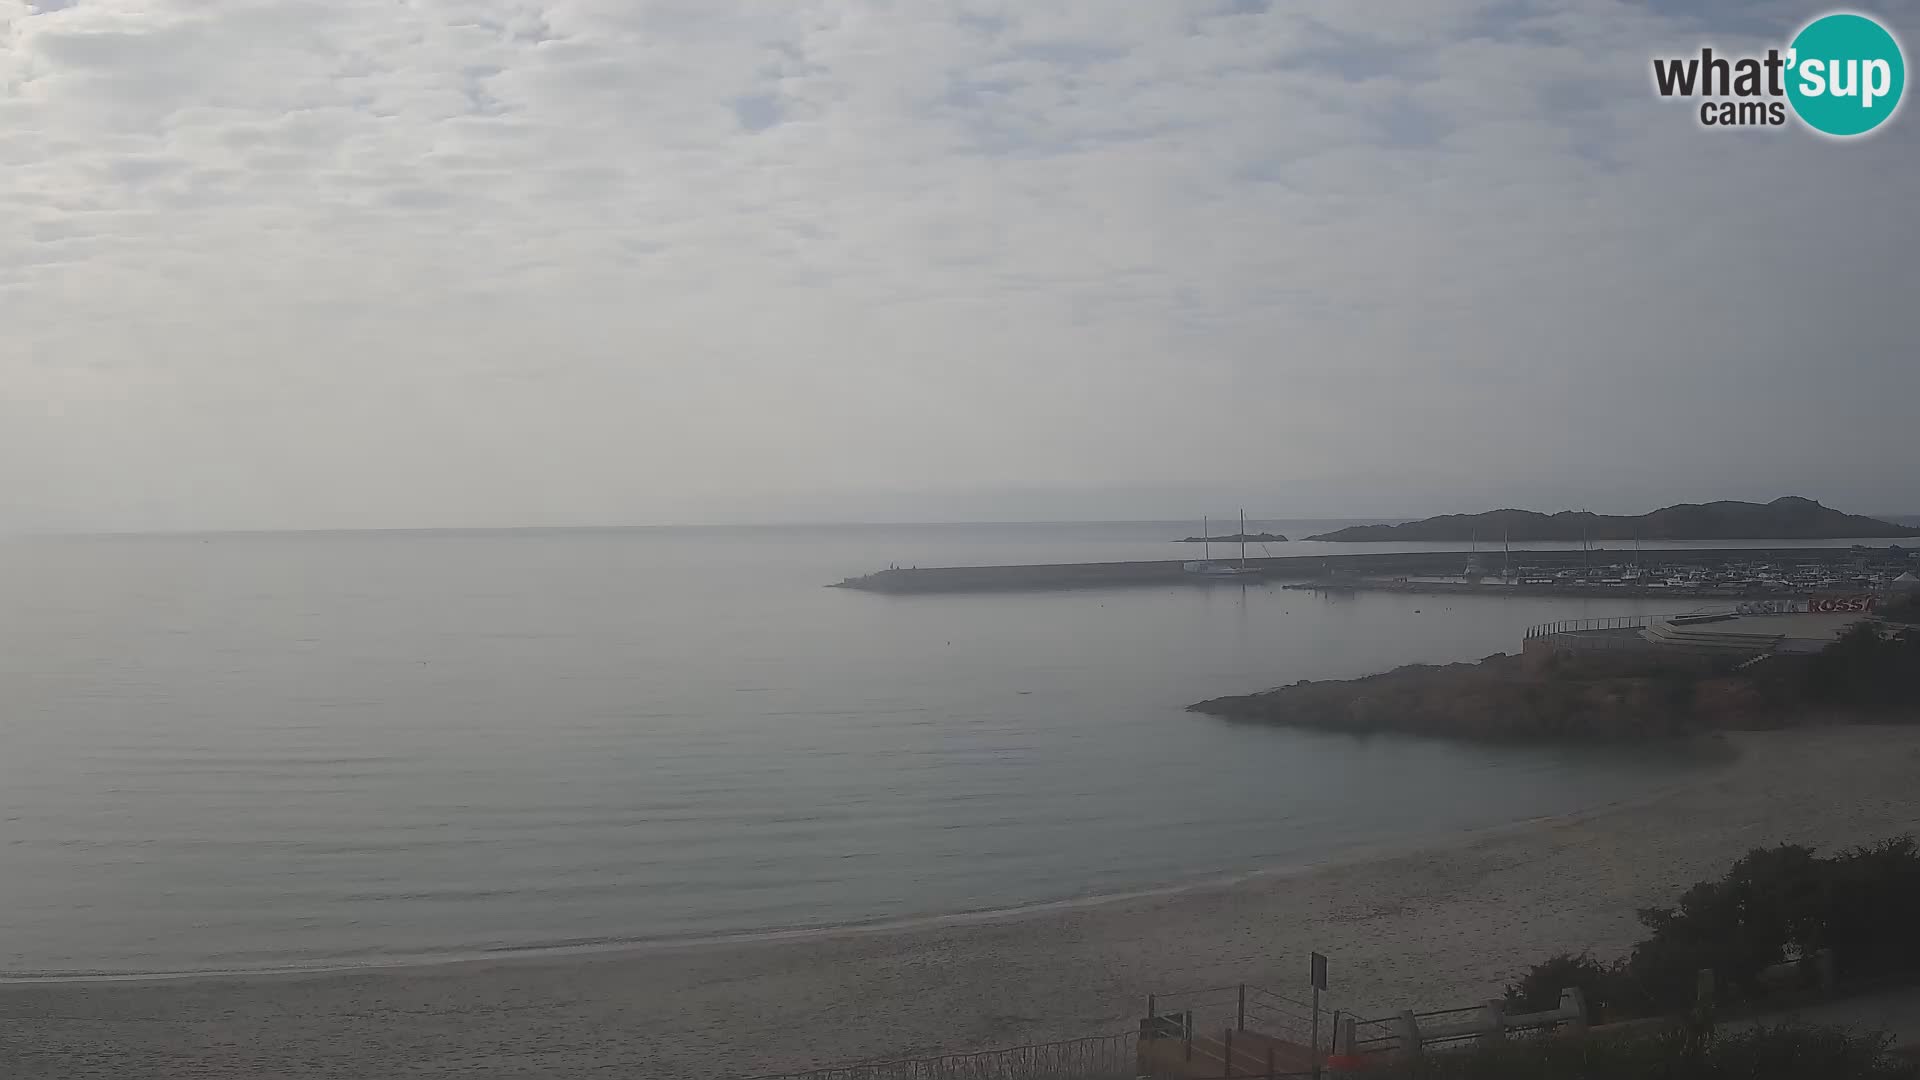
<point x="493" y="262"/>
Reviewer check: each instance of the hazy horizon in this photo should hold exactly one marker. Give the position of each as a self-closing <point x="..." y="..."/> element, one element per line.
<point x="1225" y="522"/>
<point x="499" y="263"/>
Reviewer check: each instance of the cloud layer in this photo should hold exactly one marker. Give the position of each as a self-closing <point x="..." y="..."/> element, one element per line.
<point x="513" y="261"/>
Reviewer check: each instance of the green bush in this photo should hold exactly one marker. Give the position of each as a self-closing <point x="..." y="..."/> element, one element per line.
<point x="1539" y="989"/>
<point x="1773" y="905"/>
<point x="1769" y="908"/>
<point x="1871" y="918"/>
<point x="1868" y="667"/>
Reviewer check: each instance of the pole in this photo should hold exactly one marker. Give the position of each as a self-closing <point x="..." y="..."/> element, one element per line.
<point x="1151" y="1011"/>
<point x="1317" y="970"/>
<point x="1240" y="1020"/>
<point x="1229" y="1054"/>
<point x="1313" y="1042"/>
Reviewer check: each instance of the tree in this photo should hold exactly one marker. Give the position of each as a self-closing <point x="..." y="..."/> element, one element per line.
<point x="1775" y="904"/>
<point x="1539" y="989"/>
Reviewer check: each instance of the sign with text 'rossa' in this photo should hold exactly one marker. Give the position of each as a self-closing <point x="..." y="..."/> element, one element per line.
<point x="1841" y="602"/>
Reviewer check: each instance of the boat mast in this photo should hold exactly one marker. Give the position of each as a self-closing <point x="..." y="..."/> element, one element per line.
<point x="1506" y="554"/>
<point x="1206" y="539"/>
<point x="1243" y="536"/>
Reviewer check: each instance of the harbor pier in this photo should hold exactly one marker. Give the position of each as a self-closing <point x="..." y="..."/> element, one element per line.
<point x="1425" y="571"/>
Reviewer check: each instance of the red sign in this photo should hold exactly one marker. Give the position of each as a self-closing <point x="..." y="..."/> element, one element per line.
<point x="1842" y="602"/>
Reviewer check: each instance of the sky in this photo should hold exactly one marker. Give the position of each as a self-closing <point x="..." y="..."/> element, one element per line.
<point x="367" y="263"/>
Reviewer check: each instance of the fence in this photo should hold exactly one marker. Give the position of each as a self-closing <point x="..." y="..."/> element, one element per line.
<point x="1415" y="1032"/>
<point x="1124" y="1056"/>
<point x="1567" y="626"/>
<point x="1242" y="1030"/>
<point x="1230" y="1055"/>
<point x="1101" y="1057"/>
<point x="1244" y="1007"/>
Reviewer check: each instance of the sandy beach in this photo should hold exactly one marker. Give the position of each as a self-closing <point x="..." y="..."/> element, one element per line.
<point x="1440" y="926"/>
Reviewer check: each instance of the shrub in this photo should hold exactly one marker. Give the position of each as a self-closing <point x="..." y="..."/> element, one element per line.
<point x="1868" y="667"/>
<point x="1775" y="904"/>
<point x="1539" y="989"/>
<point x="1767" y="909"/>
<point x="1872" y="897"/>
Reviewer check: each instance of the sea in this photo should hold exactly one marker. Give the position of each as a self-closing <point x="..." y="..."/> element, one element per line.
<point x="234" y="752"/>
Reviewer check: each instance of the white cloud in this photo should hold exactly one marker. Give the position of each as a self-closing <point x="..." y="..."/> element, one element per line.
<point x="491" y="261"/>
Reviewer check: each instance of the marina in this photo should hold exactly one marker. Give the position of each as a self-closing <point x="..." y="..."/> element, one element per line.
<point x="1744" y="573"/>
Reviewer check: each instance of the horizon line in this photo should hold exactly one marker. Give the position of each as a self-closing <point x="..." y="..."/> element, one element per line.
<point x="187" y="533"/>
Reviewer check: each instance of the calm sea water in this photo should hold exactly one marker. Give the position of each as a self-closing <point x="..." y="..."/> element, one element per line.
<point x="274" y="750"/>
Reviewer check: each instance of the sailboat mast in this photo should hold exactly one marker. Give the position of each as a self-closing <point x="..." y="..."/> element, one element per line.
<point x="1206" y="539"/>
<point x="1243" y="536"/>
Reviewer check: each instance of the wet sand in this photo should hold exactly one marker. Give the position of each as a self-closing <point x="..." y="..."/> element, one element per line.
<point x="1441" y="926"/>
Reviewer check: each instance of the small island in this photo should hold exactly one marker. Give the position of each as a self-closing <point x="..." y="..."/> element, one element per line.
<point x="1789" y="518"/>
<point x="1236" y="538"/>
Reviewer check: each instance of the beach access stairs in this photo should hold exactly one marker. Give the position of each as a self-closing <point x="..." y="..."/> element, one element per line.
<point x="1250" y="1031"/>
<point x="1241" y="1030"/>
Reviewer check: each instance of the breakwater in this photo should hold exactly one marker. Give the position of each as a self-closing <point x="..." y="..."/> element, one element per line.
<point x="1358" y="570"/>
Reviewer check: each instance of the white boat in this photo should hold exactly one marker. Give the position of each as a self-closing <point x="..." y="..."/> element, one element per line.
<point x="1207" y="568"/>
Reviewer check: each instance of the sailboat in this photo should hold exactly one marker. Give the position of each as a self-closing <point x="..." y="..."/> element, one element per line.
<point x="1206" y="567"/>
<point x="1473" y="571"/>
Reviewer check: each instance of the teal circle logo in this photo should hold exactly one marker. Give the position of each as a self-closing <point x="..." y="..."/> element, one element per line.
<point x="1845" y="74"/>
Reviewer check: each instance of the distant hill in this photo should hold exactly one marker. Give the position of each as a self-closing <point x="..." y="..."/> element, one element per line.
<point x="1789" y="518"/>
<point x="1251" y="538"/>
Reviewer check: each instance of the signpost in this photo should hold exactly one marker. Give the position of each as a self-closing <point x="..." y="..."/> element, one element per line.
<point x="1318" y="973"/>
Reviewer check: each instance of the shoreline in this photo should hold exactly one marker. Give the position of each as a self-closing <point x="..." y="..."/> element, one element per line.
<point x="1434" y="925"/>
<point x="1712" y="749"/>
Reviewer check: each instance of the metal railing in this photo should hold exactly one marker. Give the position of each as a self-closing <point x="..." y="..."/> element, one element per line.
<point x="1244" y="1006"/>
<point x="1579" y="642"/>
<point x="1241" y="1030"/>
<point x="1567" y="626"/>
<point x="1103" y="1057"/>
<point x="1227" y="1056"/>
<point x="1417" y="1031"/>
<point x="1100" y="1057"/>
